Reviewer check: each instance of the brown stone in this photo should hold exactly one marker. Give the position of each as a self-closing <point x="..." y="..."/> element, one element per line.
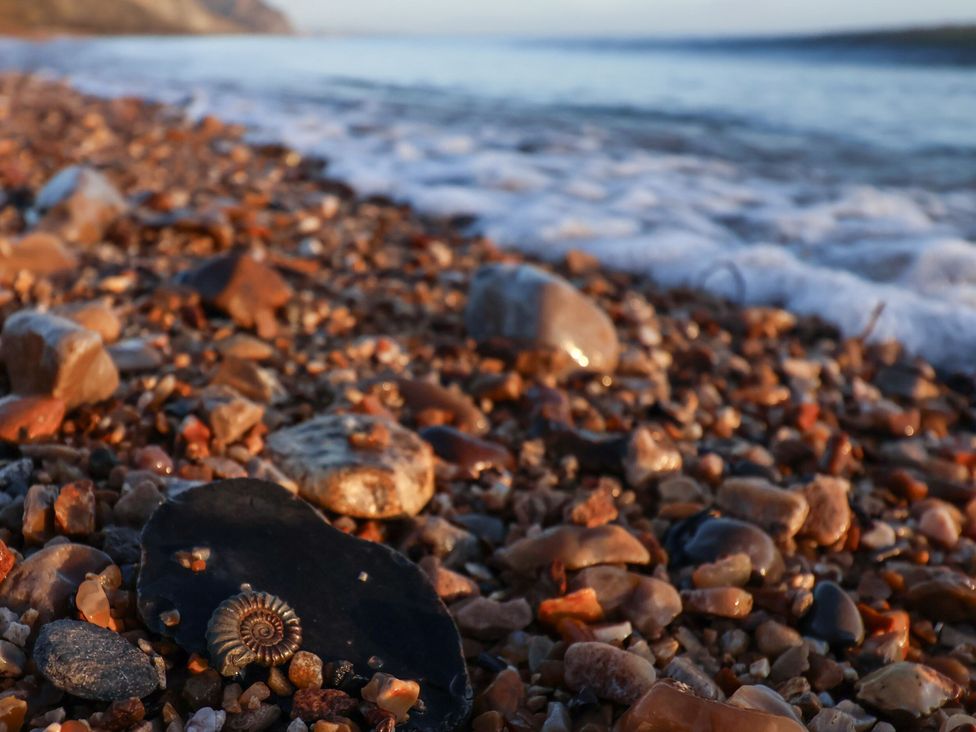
<point x="421" y="395"/>
<point x="305" y="670"/>
<point x="612" y="673"/>
<point x="38" y="523"/>
<point x="576" y="547"/>
<point x="47" y="580"/>
<point x="26" y="418"/>
<point x="230" y="415"/>
<point x="779" y="512"/>
<point x="485" y="618"/>
<point x="247" y="290"/>
<point x="723" y="602"/>
<point x="533" y="309"/>
<point x="830" y="512"/>
<point x="652" y="605"/>
<point x="667" y="708"/>
<point x="356" y="481"/>
<point x="96" y="316"/>
<point x="74" y="509"/>
<point x="38" y="253"/>
<point x="79" y="204"/>
<point x="46" y="354"/>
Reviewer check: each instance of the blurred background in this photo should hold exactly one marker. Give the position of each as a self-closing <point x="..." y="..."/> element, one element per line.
<point x="817" y="155"/>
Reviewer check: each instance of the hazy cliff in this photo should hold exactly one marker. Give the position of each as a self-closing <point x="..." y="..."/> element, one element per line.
<point x="141" y="16"/>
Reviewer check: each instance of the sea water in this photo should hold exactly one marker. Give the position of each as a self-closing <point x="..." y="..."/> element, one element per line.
<point x="820" y="179"/>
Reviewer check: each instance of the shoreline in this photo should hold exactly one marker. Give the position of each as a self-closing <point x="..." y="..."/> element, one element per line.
<point x="850" y="464"/>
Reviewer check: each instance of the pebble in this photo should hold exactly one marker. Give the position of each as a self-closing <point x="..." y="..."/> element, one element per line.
<point x="39" y="253"/>
<point x="576" y="547"/>
<point x="773" y="638"/>
<point x="652" y="605"/>
<point x="229" y="414"/>
<point x="779" y="512"/>
<point x="38" y="522"/>
<point x="911" y="688"/>
<point x="715" y="538"/>
<point x="12" y="660"/>
<point x="203" y="689"/>
<point x="648" y="457"/>
<point x="832" y="720"/>
<point x="834" y="617"/>
<point x="12" y="713"/>
<point x="422" y="396"/>
<point x="239" y="285"/>
<point x="830" y="512"/>
<point x="47" y="580"/>
<point x="668" y="708"/>
<point x="135" y="355"/>
<point x="470" y="454"/>
<point x="723" y="602"/>
<point x="79" y="204"/>
<point x="305" y="670"/>
<point x="28" y="418"/>
<point x="532" y="308"/>
<point x="485" y="618"/>
<point x="48" y="355"/>
<point x="206" y="720"/>
<point x="137" y="504"/>
<point x="762" y="699"/>
<point x="684" y="670"/>
<point x="74" y="509"/>
<point x="96" y="316"/>
<point x="393" y="695"/>
<point x="392" y="478"/>
<point x="448" y="584"/>
<point x="734" y="570"/>
<point x="246" y="347"/>
<point x="613" y="585"/>
<point x="612" y="673"/>
<point x="252" y="381"/>
<point x="93" y="663"/>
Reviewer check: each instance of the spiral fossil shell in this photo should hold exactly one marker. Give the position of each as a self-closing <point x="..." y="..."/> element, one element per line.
<point x="252" y="627"/>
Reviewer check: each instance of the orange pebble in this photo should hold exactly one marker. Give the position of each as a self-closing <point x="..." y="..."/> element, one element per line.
<point x="581" y="605"/>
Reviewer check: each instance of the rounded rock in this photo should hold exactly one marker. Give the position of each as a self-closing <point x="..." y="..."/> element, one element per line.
<point x="93" y="663"/>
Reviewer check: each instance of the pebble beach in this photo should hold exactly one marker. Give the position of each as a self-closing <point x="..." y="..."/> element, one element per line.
<point x="563" y="499"/>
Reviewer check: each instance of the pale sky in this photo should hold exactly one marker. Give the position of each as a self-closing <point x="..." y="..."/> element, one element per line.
<point x="628" y="17"/>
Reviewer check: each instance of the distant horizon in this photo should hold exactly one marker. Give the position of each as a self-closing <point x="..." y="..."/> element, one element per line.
<point x="662" y="35"/>
<point x="619" y="18"/>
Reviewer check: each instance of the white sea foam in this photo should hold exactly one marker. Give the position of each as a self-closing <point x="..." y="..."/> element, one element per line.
<point x="833" y="246"/>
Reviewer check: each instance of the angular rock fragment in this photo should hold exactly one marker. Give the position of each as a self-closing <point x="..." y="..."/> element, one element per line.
<point x="357" y="465"/>
<point x="247" y="290"/>
<point x="534" y="309"/>
<point x="357" y="600"/>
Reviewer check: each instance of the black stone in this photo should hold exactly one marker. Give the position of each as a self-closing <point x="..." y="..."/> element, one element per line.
<point x="357" y="600"/>
<point x="707" y="538"/>
<point x="93" y="663"/>
<point x="834" y="616"/>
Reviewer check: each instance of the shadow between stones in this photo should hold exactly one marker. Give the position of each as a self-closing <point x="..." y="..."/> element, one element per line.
<point x="261" y="534"/>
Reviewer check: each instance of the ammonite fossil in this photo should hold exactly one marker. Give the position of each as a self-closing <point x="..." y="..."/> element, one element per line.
<point x="252" y="627"/>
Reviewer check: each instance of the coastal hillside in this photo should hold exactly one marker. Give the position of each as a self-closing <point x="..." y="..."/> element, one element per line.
<point x="141" y="16"/>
